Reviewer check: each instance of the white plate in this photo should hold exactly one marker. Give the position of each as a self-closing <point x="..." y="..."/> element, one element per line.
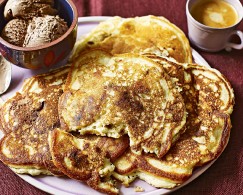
<point x="65" y="186"/>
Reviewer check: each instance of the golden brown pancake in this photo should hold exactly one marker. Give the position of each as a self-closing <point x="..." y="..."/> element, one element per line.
<point x="176" y="115"/>
<point x="209" y="101"/>
<point x="87" y="158"/>
<point x="137" y="35"/>
<point x="27" y="119"/>
<point x="124" y="94"/>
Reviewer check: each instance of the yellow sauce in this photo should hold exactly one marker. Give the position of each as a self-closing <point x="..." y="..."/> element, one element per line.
<point x="214" y="13"/>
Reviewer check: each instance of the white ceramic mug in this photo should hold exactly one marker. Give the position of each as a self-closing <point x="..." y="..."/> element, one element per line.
<point x="214" y="39"/>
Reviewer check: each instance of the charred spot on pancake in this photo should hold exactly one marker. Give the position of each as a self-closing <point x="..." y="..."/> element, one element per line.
<point x="109" y="126"/>
<point x="127" y="102"/>
<point x="90" y="42"/>
<point x="41" y="106"/>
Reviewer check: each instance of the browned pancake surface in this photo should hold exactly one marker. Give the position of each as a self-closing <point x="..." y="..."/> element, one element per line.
<point x="209" y="101"/>
<point x="87" y="158"/>
<point x="27" y="119"/>
<point x="123" y="94"/>
<point x="137" y="35"/>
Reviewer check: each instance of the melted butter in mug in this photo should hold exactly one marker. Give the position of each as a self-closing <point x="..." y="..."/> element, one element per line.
<point x="214" y="13"/>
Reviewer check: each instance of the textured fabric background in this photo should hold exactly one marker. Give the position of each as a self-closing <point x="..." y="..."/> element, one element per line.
<point x="225" y="176"/>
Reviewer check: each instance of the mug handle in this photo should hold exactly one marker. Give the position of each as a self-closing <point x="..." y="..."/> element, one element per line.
<point x="230" y="45"/>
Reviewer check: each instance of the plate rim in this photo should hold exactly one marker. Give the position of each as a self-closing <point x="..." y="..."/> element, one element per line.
<point x="53" y="190"/>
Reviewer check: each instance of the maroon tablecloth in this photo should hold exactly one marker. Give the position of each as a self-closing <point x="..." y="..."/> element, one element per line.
<point x="225" y="176"/>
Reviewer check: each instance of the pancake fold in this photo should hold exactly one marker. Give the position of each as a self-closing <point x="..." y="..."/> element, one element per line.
<point x="123" y="94"/>
<point x="209" y="101"/>
<point x="26" y="120"/>
<point x="146" y="34"/>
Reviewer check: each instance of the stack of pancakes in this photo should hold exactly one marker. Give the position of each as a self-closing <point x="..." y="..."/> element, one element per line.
<point x="132" y="105"/>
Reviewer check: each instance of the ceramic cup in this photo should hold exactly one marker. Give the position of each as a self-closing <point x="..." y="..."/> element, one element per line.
<point x="214" y="39"/>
